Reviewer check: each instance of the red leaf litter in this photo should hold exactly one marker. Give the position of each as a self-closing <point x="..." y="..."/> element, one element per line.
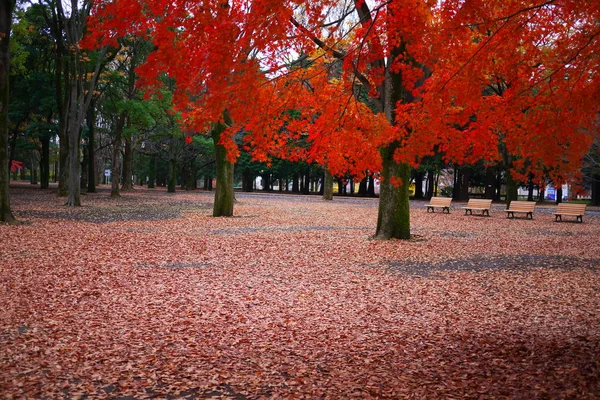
<point x="148" y="296"/>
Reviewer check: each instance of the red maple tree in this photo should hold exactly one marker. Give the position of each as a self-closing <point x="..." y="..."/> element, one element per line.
<point x="497" y="80"/>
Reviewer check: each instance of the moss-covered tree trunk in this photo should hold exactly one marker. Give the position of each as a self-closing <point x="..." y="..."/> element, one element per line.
<point x="512" y="188"/>
<point x="224" y="196"/>
<point x="6" y="9"/>
<point x="328" y="186"/>
<point x="393" y="219"/>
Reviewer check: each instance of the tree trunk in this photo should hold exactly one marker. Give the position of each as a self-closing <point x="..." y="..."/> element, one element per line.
<point x="490" y="183"/>
<point x="172" y="175"/>
<point x="74" y="138"/>
<point x="559" y="195"/>
<point x="63" y="164"/>
<point x="306" y="185"/>
<point x="116" y="155"/>
<point x="247" y="180"/>
<point x="512" y="188"/>
<point x="45" y="162"/>
<point x="464" y="177"/>
<point x="328" y="186"/>
<point x="393" y="220"/>
<point x="127" y="184"/>
<point x="362" y="187"/>
<point x="224" y="196"/>
<point x="83" y="181"/>
<point x="595" y="190"/>
<point x="33" y="160"/>
<point x="91" y="172"/>
<point x="266" y="182"/>
<point x="419" y="176"/>
<point x="371" y="187"/>
<point x="430" y="184"/>
<point x="151" y="171"/>
<point x="295" y="183"/>
<point x="530" y="189"/>
<point x="6" y="9"/>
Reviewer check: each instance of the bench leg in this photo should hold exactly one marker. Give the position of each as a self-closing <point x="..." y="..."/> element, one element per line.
<point x="446" y="210"/>
<point x="430" y="208"/>
<point x="508" y="214"/>
<point x="485" y="212"/>
<point x="467" y="211"/>
<point x="557" y="218"/>
<point x="530" y="215"/>
<point x="580" y="218"/>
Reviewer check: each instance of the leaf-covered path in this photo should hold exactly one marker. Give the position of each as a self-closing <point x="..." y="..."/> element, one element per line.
<point x="148" y="296"/>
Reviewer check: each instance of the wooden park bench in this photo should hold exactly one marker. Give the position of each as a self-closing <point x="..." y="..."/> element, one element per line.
<point x="524" y="207"/>
<point x="575" y="210"/>
<point x="482" y="205"/>
<point x="439" y="202"/>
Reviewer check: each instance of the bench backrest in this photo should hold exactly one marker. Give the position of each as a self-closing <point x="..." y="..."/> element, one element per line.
<point x="570" y="208"/>
<point x="479" y="203"/>
<point x="440" y="201"/>
<point x="524" y="206"/>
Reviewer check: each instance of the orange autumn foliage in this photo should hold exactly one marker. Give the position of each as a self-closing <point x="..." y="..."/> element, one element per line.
<point x="494" y="80"/>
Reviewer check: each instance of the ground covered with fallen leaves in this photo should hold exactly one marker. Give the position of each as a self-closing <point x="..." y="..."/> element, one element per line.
<point x="148" y="296"/>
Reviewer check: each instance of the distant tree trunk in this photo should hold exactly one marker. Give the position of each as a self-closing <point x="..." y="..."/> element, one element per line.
<point x="490" y="183"/>
<point x="341" y="187"/>
<point x="33" y="160"/>
<point x="295" y="183"/>
<point x="430" y="184"/>
<point x="6" y="9"/>
<point x="91" y="172"/>
<point x="266" y="182"/>
<point x="128" y="165"/>
<point x="371" y="187"/>
<point x="224" y="195"/>
<point x="328" y="186"/>
<point x="116" y="162"/>
<point x="172" y="175"/>
<point x="247" y="180"/>
<point x="541" y="194"/>
<point x="498" y="184"/>
<point x="151" y="171"/>
<point x="191" y="177"/>
<point x="83" y="179"/>
<point x="530" y="189"/>
<point x="74" y="138"/>
<point x="455" y="183"/>
<point x="362" y="187"/>
<point x="465" y="178"/>
<point x="419" y="176"/>
<point x="596" y="190"/>
<point x="559" y="195"/>
<point x="393" y="219"/>
<point x="45" y="162"/>
<point x="306" y="180"/>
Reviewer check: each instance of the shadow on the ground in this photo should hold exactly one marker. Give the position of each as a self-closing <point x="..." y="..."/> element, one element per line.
<point x="522" y="262"/>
